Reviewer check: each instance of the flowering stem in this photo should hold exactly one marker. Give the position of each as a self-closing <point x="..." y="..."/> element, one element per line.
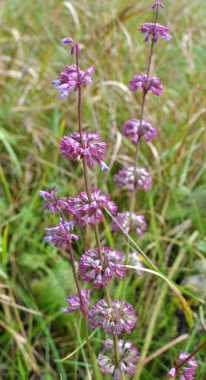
<point x="88" y="190"/>
<point x="133" y="197"/>
<point x="181" y="363"/>
<point x="84" y="312"/>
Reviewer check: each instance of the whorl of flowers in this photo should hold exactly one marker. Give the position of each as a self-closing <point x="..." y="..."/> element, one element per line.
<point x="118" y="318"/>
<point x="91" y="268"/>
<point x="88" y="145"/>
<point x="129" y="356"/>
<point x="187" y="372"/>
<point x="155" y="31"/>
<point x="138" y="129"/>
<point x="54" y="204"/>
<point x="60" y="236"/>
<point x="137" y="223"/>
<point x="125" y="177"/>
<point x="74" y="303"/>
<point x="84" y="211"/>
<point x="147" y="84"/>
<point x="71" y="78"/>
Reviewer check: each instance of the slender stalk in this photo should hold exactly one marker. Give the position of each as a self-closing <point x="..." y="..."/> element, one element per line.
<point x="134" y="193"/>
<point x="88" y="190"/>
<point x="84" y="312"/>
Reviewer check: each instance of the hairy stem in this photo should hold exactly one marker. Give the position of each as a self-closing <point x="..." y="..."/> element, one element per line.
<point x="84" y="313"/>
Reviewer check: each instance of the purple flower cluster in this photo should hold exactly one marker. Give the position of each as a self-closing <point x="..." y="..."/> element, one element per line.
<point x="54" y="204"/>
<point x="155" y="30"/>
<point x="127" y="177"/>
<point x="71" y="78"/>
<point x="115" y="319"/>
<point x="129" y="356"/>
<point x="89" y="211"/>
<point x="88" y="145"/>
<point x="185" y="372"/>
<point x="101" y="271"/>
<point x="147" y="84"/>
<point x="138" y="129"/>
<point x="75" y="303"/>
<point x="136" y="223"/>
<point x="60" y="236"/>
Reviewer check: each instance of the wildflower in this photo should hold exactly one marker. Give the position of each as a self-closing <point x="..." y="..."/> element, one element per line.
<point x="118" y="318"/>
<point x="54" y="204"/>
<point x="75" y="303"/>
<point x="75" y="47"/>
<point x="137" y="129"/>
<point x="157" y="4"/>
<point x="147" y="84"/>
<point x="71" y="78"/>
<point x="135" y="261"/>
<point x="155" y="30"/>
<point x="137" y="223"/>
<point x="60" y="235"/>
<point x="85" y="211"/>
<point x="126" y="177"/>
<point x="184" y="372"/>
<point x="89" y="146"/>
<point x="129" y="356"/>
<point x="91" y="268"/>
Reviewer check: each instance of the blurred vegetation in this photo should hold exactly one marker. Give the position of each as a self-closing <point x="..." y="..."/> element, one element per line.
<point x="35" y="279"/>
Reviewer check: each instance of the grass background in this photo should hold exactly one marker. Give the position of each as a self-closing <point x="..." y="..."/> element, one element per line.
<point x="35" y="279"/>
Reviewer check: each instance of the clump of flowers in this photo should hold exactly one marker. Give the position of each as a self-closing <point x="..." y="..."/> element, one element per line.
<point x="147" y="84"/>
<point x="129" y="223"/>
<point x="75" y="304"/>
<point x="87" y="145"/>
<point x="133" y="177"/>
<point x="60" y="235"/>
<point x="85" y="210"/>
<point x="115" y="318"/>
<point x="71" y="78"/>
<point x="185" y="372"/>
<point x="98" y="270"/>
<point x="137" y="129"/>
<point x="129" y="357"/>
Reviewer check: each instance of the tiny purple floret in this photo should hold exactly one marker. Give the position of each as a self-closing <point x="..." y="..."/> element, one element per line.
<point x="157" y="4"/>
